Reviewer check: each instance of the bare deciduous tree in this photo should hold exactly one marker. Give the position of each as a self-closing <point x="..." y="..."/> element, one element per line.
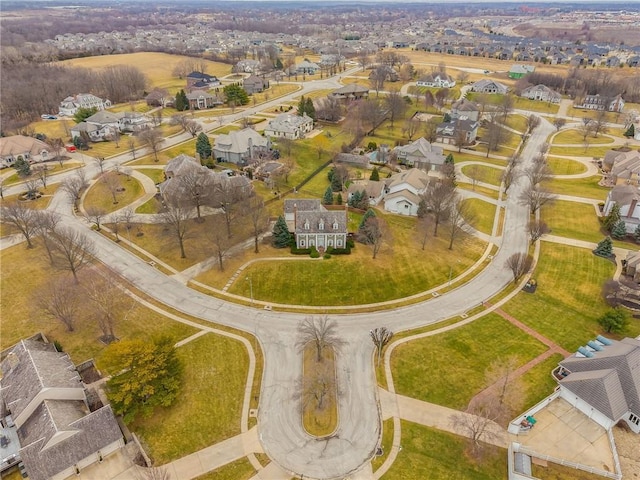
<point x="318" y="385"/>
<point x="73" y="186"/>
<point x="42" y="174"/>
<point x="95" y="215"/>
<point x="254" y="210"/>
<point x="112" y="182"/>
<point x="176" y="219"/>
<point x="153" y="139"/>
<point x="539" y="172"/>
<point x="438" y="198"/>
<point x="100" y="161"/>
<point x="196" y="188"/>
<point x="193" y="128"/>
<point x="424" y="226"/>
<point x="220" y="240"/>
<point x="321" y="331"/>
<point x="61" y="300"/>
<point x="600" y="123"/>
<point x="537" y="228"/>
<point x="519" y="264"/>
<point x="72" y="250"/>
<point x="411" y="127"/>
<point x="559" y="123"/>
<point x="153" y="473"/>
<point x="533" y="121"/>
<point x="395" y="105"/>
<point x="24" y="219"/>
<point x="380" y="337"/>
<point x="477" y="424"/>
<point x="461" y="213"/>
<point x="536" y="197"/>
<point x="374" y="232"/>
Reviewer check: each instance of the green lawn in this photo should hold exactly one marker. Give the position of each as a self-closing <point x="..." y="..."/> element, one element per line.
<point x="572" y="220"/>
<point x="164" y="156"/>
<point x="238" y="470"/>
<point x="400" y="269"/>
<point x="52" y="168"/>
<point x="484" y="174"/>
<point x="25" y="272"/>
<point x="155" y="174"/>
<point x="580" y="187"/>
<point x="517" y="122"/>
<point x="484" y="214"/>
<point x="466" y="157"/>
<point x="431" y="454"/>
<point x="580" y="151"/>
<point x="487" y="192"/>
<point x="535" y="106"/>
<point x="100" y="194"/>
<point x="449" y="369"/>
<point x="538" y="381"/>
<point x="574" y="137"/>
<point x="210" y="402"/>
<point x="565" y="166"/>
<point x="385" y="442"/>
<point x="568" y="300"/>
<point x="153" y="205"/>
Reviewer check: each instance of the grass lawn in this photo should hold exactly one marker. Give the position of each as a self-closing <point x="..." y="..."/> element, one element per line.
<point x="455" y="362"/>
<point x="580" y="151"/>
<point x="580" y="113"/>
<point x="553" y="471"/>
<point x="239" y="470"/>
<point x="225" y="129"/>
<point x="385" y="442"/>
<point x="566" y="305"/>
<point x="574" y="137"/>
<point x="153" y="205"/>
<point x="535" y="106"/>
<point x="401" y="270"/>
<point x="139" y="106"/>
<point x="39" y="203"/>
<point x="155" y="174"/>
<point x="54" y="128"/>
<point x="565" y="166"/>
<point x="316" y="421"/>
<point x="466" y="157"/>
<point x="107" y="149"/>
<point x="436" y="455"/>
<point x="100" y="194"/>
<point x="580" y="187"/>
<point x="158" y="67"/>
<point x="24" y="272"/>
<point x="517" y="122"/>
<point x="164" y="156"/>
<point x="484" y="213"/>
<point x="538" y="381"/>
<point x="209" y="407"/>
<point x="52" y="168"/>
<point x="274" y="91"/>
<point x="484" y="174"/>
<point x="487" y="192"/>
<point x="572" y="220"/>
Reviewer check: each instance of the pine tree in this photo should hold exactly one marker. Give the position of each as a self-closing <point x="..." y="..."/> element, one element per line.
<point x="327" y="199"/>
<point x="302" y="106"/>
<point x="279" y="65"/>
<point x="619" y="230"/>
<point x="449" y="159"/>
<point x="309" y="109"/>
<point x="368" y="214"/>
<point x="375" y="175"/>
<point x="631" y="131"/>
<point x="636" y="234"/>
<point x="203" y="146"/>
<point x="281" y="236"/>
<point x="338" y="200"/>
<point x="613" y="218"/>
<point x="182" y="102"/>
<point x="236" y="94"/>
<point x="22" y="166"/>
<point x="604" y="248"/>
<point x="354" y="199"/>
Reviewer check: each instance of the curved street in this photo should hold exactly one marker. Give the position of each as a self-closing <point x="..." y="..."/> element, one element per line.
<point x="280" y="427"/>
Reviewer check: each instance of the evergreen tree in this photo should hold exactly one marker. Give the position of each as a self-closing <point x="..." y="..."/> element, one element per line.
<point x="302" y="106"/>
<point x="449" y="159"/>
<point x="338" y="200"/>
<point x="613" y="218"/>
<point x="604" y="248"/>
<point x="236" y="94"/>
<point x="279" y="65"/>
<point x="636" y="234"/>
<point x="619" y="230"/>
<point x="310" y="110"/>
<point x="363" y="201"/>
<point x="631" y="131"/>
<point x="83" y="113"/>
<point x="615" y="320"/>
<point x="327" y="199"/>
<point x="281" y="236"/>
<point x="203" y="146"/>
<point x="446" y="118"/>
<point x="22" y="166"/>
<point x="369" y="213"/>
<point x="182" y="102"/>
<point x="375" y="175"/>
<point x="422" y="209"/>
<point x="336" y="184"/>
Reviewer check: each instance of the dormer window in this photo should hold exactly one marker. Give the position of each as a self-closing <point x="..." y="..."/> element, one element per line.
<point x="335" y="225"/>
<point x="306" y="224"/>
<point x="321" y="225"/>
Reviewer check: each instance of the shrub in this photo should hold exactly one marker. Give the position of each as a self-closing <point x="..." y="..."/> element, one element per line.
<point x="326" y="256"/>
<point x="314" y="253"/>
<point x="300" y="251"/>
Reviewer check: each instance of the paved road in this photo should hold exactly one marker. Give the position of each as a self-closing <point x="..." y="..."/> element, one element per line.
<point x="279" y="426"/>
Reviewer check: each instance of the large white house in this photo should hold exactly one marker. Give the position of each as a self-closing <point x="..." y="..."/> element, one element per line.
<point x="70" y="105"/>
<point x="489" y="86"/>
<point x="437" y="80"/>
<point x="627" y="197"/>
<point x="291" y="126"/>
<point x="403" y="190"/>
<point x="314" y="225"/>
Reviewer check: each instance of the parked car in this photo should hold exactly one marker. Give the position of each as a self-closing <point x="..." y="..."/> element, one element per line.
<point x="70" y="148"/>
<point x="46" y="116"/>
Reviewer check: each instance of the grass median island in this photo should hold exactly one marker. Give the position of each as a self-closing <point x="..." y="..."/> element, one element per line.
<point x="113" y="191"/>
<point x="484" y="174"/>
<point x="431" y="454"/>
<point x="39" y="203"/>
<point x="572" y="220"/>
<point x="574" y="137"/>
<point x="568" y="300"/>
<point x="449" y="369"/>
<point x="319" y="392"/>
<point x="209" y="406"/>
<point x="484" y="214"/>
<point x="565" y="166"/>
<point x="238" y="470"/>
<point x="580" y="187"/>
<point x="580" y="151"/>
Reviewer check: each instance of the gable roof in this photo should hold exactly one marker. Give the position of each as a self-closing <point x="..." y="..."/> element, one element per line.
<point x="315" y="219"/>
<point x="422" y="148"/>
<point x="464" y="105"/>
<point x="624" y="194"/>
<point x="415" y="177"/>
<point x="302" y="204"/>
<point x="21" y="144"/>
<point x="102" y="117"/>
<point x="609" y="380"/>
<point x="352" y="88"/>
<point x="238" y="141"/>
<point x="288" y="123"/>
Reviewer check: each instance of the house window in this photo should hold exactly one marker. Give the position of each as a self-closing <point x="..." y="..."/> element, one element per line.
<point x="634" y="419"/>
<point x="302" y="243"/>
<point x="306" y="224"/>
<point x="335" y="225"/>
<point x="330" y="243"/>
<point x="321" y="225"/>
<point x="339" y="243"/>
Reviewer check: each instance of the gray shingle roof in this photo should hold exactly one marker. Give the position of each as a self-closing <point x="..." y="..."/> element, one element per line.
<point x="333" y="221"/>
<point x="302" y="204"/>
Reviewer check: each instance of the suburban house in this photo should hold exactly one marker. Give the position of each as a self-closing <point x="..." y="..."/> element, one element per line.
<point x="600" y="102"/>
<point x="70" y="105"/>
<point x="29" y="148"/>
<point x="465" y="109"/>
<point x="199" y="100"/>
<point x="519" y="71"/>
<point x="421" y="154"/>
<point x="374" y="190"/>
<point x="623" y="168"/>
<point x="241" y="146"/>
<point x="627" y="197"/>
<point x="632" y="265"/>
<point x="287" y="125"/>
<point x="390" y="73"/>
<point x="437" y="80"/>
<point x="99" y="126"/>
<point x="460" y="132"/>
<point x="489" y="86"/>
<point x="254" y="84"/>
<point x="403" y="190"/>
<point x="307" y="68"/>
<point x="247" y="66"/>
<point x="602" y="380"/>
<point x="201" y="81"/>
<point x="314" y="225"/>
<point x="185" y="165"/>
<point x="542" y="93"/>
<point x="56" y="425"/>
<point x="132" y="121"/>
<point x="350" y="92"/>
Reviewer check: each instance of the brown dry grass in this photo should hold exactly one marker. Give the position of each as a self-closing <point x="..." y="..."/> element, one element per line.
<point x="323" y="421"/>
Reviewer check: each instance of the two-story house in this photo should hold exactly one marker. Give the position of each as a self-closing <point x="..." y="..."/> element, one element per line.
<point x="314" y="225"/>
<point x="70" y="105"/>
<point x="241" y="146"/>
<point x="403" y="190"/>
<point x="421" y="154"/>
<point x="489" y="86"/>
<point x="541" y="93"/>
<point x="627" y="197"/>
<point x="437" y="80"/>
<point x="291" y="126"/>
